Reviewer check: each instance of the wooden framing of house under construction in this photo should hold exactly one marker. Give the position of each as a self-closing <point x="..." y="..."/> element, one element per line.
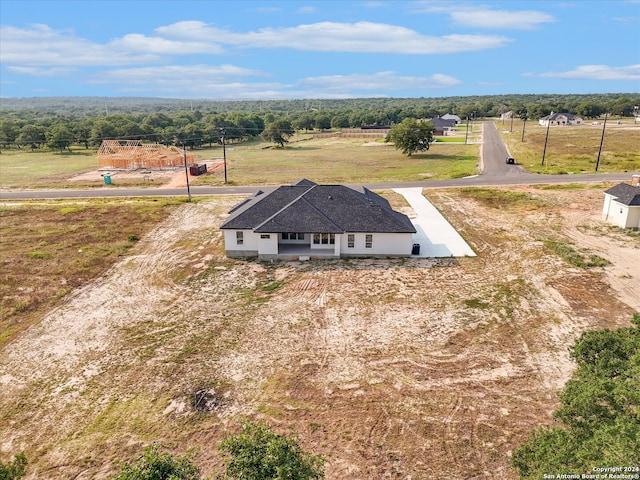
<point x="133" y="154"/>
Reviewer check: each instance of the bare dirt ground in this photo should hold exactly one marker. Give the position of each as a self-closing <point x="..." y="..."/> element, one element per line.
<point x="390" y="368"/>
<point x="169" y="178"/>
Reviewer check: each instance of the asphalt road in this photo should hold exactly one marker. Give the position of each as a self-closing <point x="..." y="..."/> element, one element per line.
<point x="495" y="172"/>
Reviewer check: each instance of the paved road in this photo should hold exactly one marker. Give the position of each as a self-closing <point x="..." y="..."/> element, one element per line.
<point x="495" y="172"/>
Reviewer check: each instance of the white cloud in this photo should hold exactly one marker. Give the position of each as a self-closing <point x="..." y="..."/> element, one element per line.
<point x="500" y="19"/>
<point x="41" y="72"/>
<point x="167" y="74"/>
<point x="134" y="42"/>
<point x="598" y="72"/>
<point x="307" y="10"/>
<point x="41" y="45"/>
<point x="229" y="81"/>
<point x="382" y="81"/>
<point x="196" y="80"/>
<point x="481" y="16"/>
<point x="359" y="37"/>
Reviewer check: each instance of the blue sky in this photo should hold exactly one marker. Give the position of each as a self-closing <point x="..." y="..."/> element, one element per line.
<point x="317" y="49"/>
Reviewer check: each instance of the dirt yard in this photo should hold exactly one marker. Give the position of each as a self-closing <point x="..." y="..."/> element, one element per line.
<point x="391" y="369"/>
<point x="168" y="178"/>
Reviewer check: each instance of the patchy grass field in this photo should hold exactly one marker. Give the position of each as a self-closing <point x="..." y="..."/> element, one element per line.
<point x="333" y="160"/>
<point x="340" y="160"/>
<point x="390" y="368"/>
<point x="37" y="169"/>
<point x="574" y="149"/>
<point x="48" y="249"/>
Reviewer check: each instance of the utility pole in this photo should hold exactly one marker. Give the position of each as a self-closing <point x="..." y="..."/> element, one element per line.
<point x="466" y="135"/>
<point x="524" y="121"/>
<point x="601" y="141"/>
<point x="224" y="154"/>
<point x="546" y="138"/>
<point x="186" y="171"/>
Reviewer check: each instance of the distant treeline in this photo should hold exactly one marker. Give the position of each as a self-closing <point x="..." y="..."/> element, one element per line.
<point x="58" y="122"/>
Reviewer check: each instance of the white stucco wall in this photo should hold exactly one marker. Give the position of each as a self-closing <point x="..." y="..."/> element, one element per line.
<point x="606" y="205"/>
<point x="249" y="245"/>
<point x="267" y="244"/>
<point x="383" y="244"/>
<point x="633" y="220"/>
<point x="620" y="215"/>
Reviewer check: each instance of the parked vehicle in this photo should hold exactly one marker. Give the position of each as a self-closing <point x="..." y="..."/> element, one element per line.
<point x="511" y="160"/>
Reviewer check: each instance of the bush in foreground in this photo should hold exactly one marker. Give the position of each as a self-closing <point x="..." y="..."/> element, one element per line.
<point x="600" y="408"/>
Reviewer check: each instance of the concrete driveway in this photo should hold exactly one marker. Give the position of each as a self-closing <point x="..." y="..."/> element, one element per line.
<point x="436" y="236"/>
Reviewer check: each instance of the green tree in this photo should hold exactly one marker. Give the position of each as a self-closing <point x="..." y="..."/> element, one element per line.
<point x="31" y="134"/>
<point x="153" y="465"/>
<point x="411" y="136"/>
<point x="278" y="131"/>
<point x="258" y="453"/>
<point x="9" y="131"/>
<point x="59" y="137"/>
<point x="322" y="122"/>
<point x="306" y="121"/>
<point x="15" y="469"/>
<point x="600" y="407"/>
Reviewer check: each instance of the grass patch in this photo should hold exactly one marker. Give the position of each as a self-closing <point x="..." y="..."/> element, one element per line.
<point x="572" y="256"/>
<point x="67" y="245"/>
<point x="505" y="199"/>
<point x="340" y="160"/>
<point x="26" y="168"/>
<point x="476" y="303"/>
<point x="564" y="186"/>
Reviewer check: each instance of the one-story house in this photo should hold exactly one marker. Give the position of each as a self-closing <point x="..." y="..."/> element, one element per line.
<point x="622" y="204"/>
<point x="443" y="126"/>
<point x="560" y="119"/>
<point x="307" y="220"/>
<point x="451" y="116"/>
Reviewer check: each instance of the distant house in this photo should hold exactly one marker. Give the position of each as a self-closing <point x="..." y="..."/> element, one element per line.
<point x="560" y="119"/>
<point x="449" y="116"/>
<point x="508" y="115"/>
<point x="622" y="204"/>
<point x="307" y="220"/>
<point x="443" y="126"/>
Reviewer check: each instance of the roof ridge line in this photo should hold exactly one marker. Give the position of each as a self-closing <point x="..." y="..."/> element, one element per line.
<point x="298" y="198"/>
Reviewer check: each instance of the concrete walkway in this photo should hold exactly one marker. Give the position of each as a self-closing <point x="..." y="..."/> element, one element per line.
<point x="436" y="236"/>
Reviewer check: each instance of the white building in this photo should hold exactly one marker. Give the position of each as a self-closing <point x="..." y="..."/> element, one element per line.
<point x="560" y="119"/>
<point x="622" y="204"/>
<point x="307" y="220"/>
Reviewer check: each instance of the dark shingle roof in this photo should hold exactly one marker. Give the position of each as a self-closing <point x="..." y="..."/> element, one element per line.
<point x="625" y="194"/>
<point x="309" y="207"/>
<point x="555" y="116"/>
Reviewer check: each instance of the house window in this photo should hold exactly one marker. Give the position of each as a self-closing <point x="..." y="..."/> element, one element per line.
<point x="324" y="239"/>
<point x="351" y="240"/>
<point x="239" y="238"/>
<point x="265" y="236"/>
<point x="293" y="236"/>
<point x="368" y="240"/>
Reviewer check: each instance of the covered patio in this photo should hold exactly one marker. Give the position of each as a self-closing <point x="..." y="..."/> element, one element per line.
<point x="291" y="251"/>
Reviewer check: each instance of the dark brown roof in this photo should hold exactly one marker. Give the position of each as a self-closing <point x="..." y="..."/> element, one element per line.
<point x="625" y="194"/>
<point x="307" y="207"/>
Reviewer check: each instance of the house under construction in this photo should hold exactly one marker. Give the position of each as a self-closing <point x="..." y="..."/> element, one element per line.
<point x="133" y="155"/>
